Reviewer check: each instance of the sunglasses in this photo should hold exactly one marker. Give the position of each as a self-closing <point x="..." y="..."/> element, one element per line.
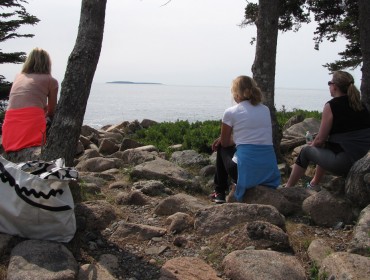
<point x="330" y="83"/>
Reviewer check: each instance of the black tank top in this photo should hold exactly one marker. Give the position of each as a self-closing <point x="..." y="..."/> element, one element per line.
<point x="345" y="119"/>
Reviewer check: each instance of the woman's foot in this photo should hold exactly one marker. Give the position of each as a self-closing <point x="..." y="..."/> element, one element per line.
<point x="218" y="197"/>
<point x="311" y="186"/>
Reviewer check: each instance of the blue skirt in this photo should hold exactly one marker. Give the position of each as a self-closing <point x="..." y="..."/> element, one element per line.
<point x="257" y="165"/>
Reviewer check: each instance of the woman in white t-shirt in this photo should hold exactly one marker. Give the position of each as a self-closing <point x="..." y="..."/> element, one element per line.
<point x="245" y="152"/>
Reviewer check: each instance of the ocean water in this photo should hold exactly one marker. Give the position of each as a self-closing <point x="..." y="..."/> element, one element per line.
<point x="114" y="103"/>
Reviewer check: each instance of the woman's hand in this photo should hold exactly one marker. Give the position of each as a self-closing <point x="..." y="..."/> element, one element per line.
<point x="215" y="144"/>
<point x="325" y="127"/>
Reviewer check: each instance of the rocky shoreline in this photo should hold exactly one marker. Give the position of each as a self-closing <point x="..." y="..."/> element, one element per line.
<point x="142" y="215"/>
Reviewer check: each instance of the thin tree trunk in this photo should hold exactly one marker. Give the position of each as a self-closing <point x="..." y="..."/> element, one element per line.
<point x="364" y="23"/>
<point x="265" y="60"/>
<point x="75" y="90"/>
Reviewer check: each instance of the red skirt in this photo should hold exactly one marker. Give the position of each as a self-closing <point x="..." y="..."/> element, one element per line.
<point x="23" y="128"/>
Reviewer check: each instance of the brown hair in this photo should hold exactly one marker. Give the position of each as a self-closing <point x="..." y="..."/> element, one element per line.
<point x="38" y="61"/>
<point x="245" y="88"/>
<point x="346" y="84"/>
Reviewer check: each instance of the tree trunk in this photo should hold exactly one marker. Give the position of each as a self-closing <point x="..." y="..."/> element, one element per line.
<point x="364" y="22"/>
<point x="265" y="60"/>
<point x="75" y="90"/>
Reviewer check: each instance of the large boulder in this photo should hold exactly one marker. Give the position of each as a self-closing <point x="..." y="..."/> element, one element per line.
<point x="219" y="218"/>
<point x="189" y="158"/>
<point x="342" y="265"/>
<point x="360" y="243"/>
<point x="300" y="129"/>
<point x="328" y="210"/>
<point x="187" y="268"/>
<point x="269" y="196"/>
<point x="357" y="186"/>
<point x="37" y="259"/>
<point x="161" y="169"/>
<point x="179" y="203"/>
<point x="97" y="164"/>
<point x="259" y="235"/>
<point x="262" y="265"/>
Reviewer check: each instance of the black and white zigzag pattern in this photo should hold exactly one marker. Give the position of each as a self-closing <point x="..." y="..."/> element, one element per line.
<point x="49" y="169"/>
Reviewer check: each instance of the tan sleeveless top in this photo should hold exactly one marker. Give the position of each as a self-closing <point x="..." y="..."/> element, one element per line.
<point x="32" y="90"/>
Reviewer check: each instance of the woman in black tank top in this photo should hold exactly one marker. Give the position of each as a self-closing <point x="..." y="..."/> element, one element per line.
<point x="343" y="137"/>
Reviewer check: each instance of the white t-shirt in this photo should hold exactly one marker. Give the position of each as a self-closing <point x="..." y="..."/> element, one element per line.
<point x="250" y="124"/>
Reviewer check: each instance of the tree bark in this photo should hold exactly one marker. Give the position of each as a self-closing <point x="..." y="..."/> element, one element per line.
<point x="364" y="22"/>
<point x="265" y="60"/>
<point x="75" y="89"/>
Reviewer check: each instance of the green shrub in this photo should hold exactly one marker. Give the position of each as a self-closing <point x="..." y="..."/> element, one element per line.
<point x="163" y="135"/>
<point x="199" y="135"/>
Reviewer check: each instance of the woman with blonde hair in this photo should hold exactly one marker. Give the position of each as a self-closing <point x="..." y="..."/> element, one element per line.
<point x="32" y="99"/>
<point x="244" y="150"/>
<point x="343" y="137"/>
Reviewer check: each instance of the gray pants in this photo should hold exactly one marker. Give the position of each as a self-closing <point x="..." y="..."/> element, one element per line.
<point x="336" y="163"/>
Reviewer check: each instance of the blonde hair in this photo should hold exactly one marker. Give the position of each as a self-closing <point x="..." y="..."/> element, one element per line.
<point x="346" y="84"/>
<point x="38" y="61"/>
<point x="245" y="88"/>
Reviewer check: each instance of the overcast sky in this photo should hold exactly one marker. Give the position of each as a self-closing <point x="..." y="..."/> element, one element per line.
<point x="186" y="42"/>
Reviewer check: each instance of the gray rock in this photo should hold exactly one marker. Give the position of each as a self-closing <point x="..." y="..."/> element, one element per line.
<point x="160" y="169"/>
<point x="97" y="164"/>
<point x="325" y="209"/>
<point x="137" y="156"/>
<point x="293" y="120"/>
<point x="189" y="158"/>
<point x="300" y="129"/>
<point x="220" y="218"/>
<point x="109" y="262"/>
<point x="116" y="127"/>
<point x="114" y="136"/>
<point x="179" y="203"/>
<point x="259" y="235"/>
<point x="89" y="153"/>
<point x="360" y="243"/>
<point x="95" y="215"/>
<point x="80" y="148"/>
<point x="342" y="265"/>
<point x="146" y="123"/>
<point x="107" y="147"/>
<point x="318" y="250"/>
<point x="296" y="196"/>
<point x="85" y="142"/>
<point x="36" y="259"/>
<point x="208" y="170"/>
<point x="357" y="186"/>
<point x="150" y="187"/>
<point x="179" y="222"/>
<point x="94" y="271"/>
<point x="119" y="185"/>
<point x="269" y="196"/>
<point x="128" y="143"/>
<point x="187" y="268"/>
<point x="262" y="265"/>
<point x="126" y="231"/>
<point x="131" y="198"/>
<point x="87" y="131"/>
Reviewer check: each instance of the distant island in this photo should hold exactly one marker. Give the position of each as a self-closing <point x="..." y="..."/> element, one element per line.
<point x="135" y="83"/>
